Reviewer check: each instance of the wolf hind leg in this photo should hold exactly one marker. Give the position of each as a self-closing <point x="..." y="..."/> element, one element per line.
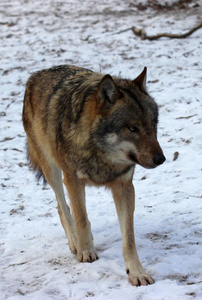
<point x="53" y="176"/>
<point x="76" y="190"/>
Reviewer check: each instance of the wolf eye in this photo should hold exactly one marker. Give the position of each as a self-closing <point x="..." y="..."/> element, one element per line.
<point x="133" y="129"/>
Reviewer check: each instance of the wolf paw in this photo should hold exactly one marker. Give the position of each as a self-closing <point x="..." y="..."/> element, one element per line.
<point x="138" y="279"/>
<point x="87" y="255"/>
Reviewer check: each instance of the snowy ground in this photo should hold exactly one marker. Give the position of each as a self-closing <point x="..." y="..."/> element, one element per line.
<point x="35" y="259"/>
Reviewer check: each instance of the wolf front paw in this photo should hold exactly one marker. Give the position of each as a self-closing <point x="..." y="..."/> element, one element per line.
<point x="87" y="255"/>
<point x="139" y="278"/>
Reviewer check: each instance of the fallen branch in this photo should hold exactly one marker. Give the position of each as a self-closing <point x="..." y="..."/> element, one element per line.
<point x="141" y="33"/>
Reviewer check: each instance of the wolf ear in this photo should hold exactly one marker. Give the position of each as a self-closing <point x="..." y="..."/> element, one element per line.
<point x="140" y="81"/>
<point x="107" y="90"/>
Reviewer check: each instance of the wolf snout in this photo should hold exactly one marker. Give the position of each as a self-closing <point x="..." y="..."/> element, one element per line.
<point x="158" y="159"/>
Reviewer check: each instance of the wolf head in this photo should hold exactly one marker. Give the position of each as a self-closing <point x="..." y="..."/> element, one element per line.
<point x="126" y="128"/>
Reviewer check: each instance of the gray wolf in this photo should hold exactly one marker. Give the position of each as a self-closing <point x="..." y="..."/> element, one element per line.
<point x="92" y="129"/>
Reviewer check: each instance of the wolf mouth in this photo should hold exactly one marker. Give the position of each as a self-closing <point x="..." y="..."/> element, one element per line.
<point x="132" y="157"/>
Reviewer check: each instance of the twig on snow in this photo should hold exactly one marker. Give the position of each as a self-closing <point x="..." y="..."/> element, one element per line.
<point x="175" y="155"/>
<point x="141" y="33"/>
<point x="187" y="117"/>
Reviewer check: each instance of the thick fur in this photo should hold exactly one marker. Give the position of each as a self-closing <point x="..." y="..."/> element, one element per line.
<point x="93" y="128"/>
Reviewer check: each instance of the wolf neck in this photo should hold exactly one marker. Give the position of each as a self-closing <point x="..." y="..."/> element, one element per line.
<point x="93" y="166"/>
<point x="102" y="173"/>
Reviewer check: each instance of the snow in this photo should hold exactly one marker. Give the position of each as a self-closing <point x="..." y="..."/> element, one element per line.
<point x="36" y="262"/>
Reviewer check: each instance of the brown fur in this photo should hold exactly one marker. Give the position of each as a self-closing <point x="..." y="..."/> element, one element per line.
<point x="94" y="129"/>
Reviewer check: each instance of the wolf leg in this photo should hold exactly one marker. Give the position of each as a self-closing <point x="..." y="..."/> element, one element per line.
<point x="53" y="176"/>
<point x="76" y="190"/>
<point x="124" y="198"/>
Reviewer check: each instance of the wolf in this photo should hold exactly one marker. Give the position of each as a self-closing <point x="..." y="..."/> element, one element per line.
<point x="89" y="128"/>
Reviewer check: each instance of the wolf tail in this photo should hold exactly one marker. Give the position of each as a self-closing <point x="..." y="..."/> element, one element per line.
<point x="33" y="163"/>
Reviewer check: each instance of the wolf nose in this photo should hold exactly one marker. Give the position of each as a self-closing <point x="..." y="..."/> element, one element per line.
<point x="159" y="159"/>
